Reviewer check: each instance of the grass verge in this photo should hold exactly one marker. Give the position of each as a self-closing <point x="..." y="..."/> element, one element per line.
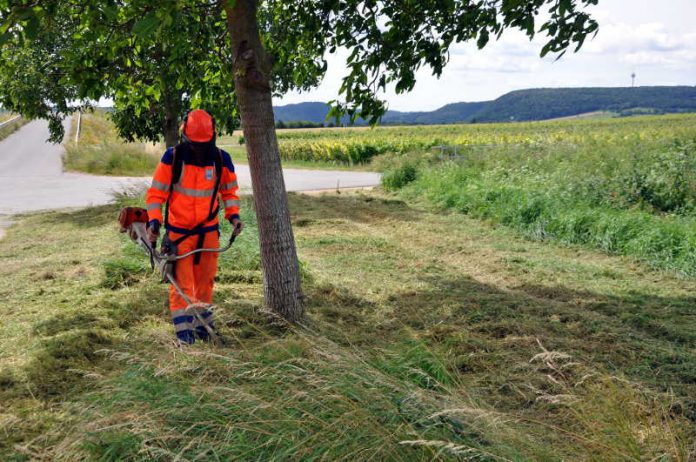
<point x="632" y="195"/>
<point x="430" y="338"/>
<point x="11" y="127"/>
<point x="100" y="151"/>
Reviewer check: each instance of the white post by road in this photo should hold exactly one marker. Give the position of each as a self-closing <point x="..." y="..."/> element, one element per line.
<point x="79" y="124"/>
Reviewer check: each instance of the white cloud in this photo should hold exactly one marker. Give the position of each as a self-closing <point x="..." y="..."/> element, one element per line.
<point x="472" y="62"/>
<point x="513" y="53"/>
<point x="622" y="37"/>
<point x="657" y="42"/>
<point x="677" y="60"/>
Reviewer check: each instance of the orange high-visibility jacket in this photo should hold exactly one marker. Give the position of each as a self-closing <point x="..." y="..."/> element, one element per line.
<point x="190" y="198"/>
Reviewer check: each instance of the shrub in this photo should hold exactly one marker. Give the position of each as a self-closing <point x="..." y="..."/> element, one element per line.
<point x="399" y="177"/>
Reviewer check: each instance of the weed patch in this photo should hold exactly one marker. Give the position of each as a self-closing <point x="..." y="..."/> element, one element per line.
<point x="123" y="273"/>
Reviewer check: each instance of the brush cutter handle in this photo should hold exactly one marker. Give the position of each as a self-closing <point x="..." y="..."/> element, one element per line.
<point x="138" y="232"/>
<point x="233" y="236"/>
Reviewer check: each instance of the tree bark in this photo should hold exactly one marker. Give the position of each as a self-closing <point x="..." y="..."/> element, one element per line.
<point x="252" y="70"/>
<point x="170" y="128"/>
<point x="171" y="132"/>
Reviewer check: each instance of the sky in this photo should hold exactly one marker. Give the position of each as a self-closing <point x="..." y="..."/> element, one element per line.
<point x="654" y="39"/>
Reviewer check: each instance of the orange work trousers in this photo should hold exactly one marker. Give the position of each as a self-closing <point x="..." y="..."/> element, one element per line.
<point x="196" y="281"/>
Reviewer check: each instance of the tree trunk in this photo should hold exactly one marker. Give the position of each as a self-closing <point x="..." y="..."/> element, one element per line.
<point x="171" y="132"/>
<point x="281" y="272"/>
<point x="170" y="128"/>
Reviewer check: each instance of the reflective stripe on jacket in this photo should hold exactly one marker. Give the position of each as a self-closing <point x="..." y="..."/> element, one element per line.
<point x="190" y="198"/>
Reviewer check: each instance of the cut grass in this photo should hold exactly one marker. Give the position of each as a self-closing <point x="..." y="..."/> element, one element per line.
<point x="429" y="336"/>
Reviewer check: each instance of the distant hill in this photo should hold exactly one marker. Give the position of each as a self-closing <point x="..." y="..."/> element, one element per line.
<point x="455" y="112"/>
<point x="549" y="103"/>
<point x="523" y="105"/>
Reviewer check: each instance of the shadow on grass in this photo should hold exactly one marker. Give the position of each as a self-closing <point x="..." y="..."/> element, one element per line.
<point x="491" y="334"/>
<point x="92" y="217"/>
<point x="362" y="208"/>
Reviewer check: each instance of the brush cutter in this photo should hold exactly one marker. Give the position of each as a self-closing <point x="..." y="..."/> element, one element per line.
<point x="133" y="221"/>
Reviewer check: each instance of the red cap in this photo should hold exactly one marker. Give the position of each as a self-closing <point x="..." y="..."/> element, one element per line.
<point x="198" y="126"/>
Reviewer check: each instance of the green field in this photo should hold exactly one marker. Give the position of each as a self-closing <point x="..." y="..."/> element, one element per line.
<point x="363" y="148"/>
<point x="360" y="145"/>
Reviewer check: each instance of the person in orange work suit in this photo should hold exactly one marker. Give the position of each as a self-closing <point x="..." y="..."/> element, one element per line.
<point x="192" y="182"/>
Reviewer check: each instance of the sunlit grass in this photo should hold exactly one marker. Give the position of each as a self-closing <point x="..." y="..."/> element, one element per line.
<point x="100" y="151"/>
<point x="10" y="127"/>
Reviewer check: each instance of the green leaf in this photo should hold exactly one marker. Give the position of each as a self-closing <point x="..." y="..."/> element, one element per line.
<point x="146" y="27"/>
<point x="32" y="27"/>
<point x="483" y="39"/>
<point x="545" y="50"/>
<point x="4" y="38"/>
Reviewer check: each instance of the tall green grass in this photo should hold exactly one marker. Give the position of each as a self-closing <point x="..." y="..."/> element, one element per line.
<point x="629" y="197"/>
<point x="110" y="159"/>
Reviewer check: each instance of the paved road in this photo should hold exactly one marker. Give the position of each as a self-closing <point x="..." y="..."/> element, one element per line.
<point x="32" y="177"/>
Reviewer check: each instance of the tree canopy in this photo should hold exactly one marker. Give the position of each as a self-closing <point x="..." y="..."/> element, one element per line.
<point x="153" y="72"/>
<point x="167" y="55"/>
